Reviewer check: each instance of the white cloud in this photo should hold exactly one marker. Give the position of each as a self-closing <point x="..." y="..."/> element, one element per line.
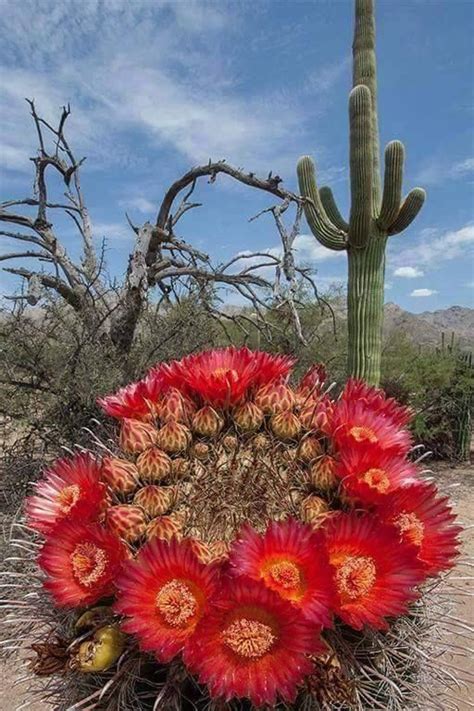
<point x="423" y="292"/>
<point x="438" y="170"/>
<point x="325" y="78"/>
<point x="463" y="167"/>
<point x="145" y="66"/>
<point x="140" y="204"/>
<point x="160" y="70"/>
<point x="112" y="231"/>
<point x="436" y="247"/>
<point x="408" y="272"/>
<point x="308" y="249"/>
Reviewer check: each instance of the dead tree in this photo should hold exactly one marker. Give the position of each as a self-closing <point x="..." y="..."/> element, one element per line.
<point x="160" y="258"/>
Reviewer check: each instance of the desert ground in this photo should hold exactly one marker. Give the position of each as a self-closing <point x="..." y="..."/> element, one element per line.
<point x="457" y="481"/>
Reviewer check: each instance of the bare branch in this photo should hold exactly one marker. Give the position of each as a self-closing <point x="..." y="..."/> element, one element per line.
<point x="22" y="237"/>
<point x="43" y="256"/>
<point x="50" y="282"/>
<point x="34" y="203"/>
<point x="270" y="185"/>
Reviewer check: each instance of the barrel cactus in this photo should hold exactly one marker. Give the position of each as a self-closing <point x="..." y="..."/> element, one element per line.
<point x="375" y="214"/>
<point x="241" y="541"/>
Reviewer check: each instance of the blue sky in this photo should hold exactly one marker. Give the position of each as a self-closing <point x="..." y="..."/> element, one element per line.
<point x="157" y="87"/>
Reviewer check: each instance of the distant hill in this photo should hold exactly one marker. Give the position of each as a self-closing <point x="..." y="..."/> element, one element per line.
<point x="426" y="328"/>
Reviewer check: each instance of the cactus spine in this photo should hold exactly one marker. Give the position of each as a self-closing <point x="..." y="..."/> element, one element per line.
<point x="374" y="215"/>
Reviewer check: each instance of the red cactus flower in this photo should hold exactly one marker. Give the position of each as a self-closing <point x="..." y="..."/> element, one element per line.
<point x="290" y="559"/>
<point x="70" y="489"/>
<point x="375" y="399"/>
<point x="163" y="594"/>
<point x="374" y="574"/>
<point x="132" y="402"/>
<point x="354" y="425"/>
<point x="223" y="377"/>
<point x="81" y="562"/>
<point x="252" y="644"/>
<point x="372" y="476"/>
<point x="426" y="521"/>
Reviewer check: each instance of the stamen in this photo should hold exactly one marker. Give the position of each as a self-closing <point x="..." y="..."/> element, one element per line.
<point x="88" y="563"/>
<point x="68" y="497"/>
<point x="355" y="577"/>
<point x="250" y="639"/>
<point x="285" y="574"/>
<point x="363" y="434"/>
<point x="377" y="479"/>
<point x="223" y="373"/>
<point x="411" y="527"/>
<point x="176" y="603"/>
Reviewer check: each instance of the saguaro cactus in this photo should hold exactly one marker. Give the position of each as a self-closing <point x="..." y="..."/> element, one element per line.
<point x="374" y="215"/>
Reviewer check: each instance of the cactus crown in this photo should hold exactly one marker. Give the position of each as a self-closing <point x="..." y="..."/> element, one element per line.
<point x="373" y="212"/>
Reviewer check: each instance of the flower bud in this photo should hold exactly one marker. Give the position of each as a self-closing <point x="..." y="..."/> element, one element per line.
<point x="120" y="475"/>
<point x="207" y="422"/>
<point x="154" y="465"/>
<point x="136" y="436"/>
<point x="248" y="417"/>
<point x="309" y="448"/>
<point x="174" y="437"/>
<point x="165" y="527"/>
<point x="127" y="522"/>
<point x="155" y="500"/>
<point x="275" y="397"/>
<point x="285" y="425"/>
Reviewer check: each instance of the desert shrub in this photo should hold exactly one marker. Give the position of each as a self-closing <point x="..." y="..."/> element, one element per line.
<point x="52" y="372"/>
<point x="438" y="383"/>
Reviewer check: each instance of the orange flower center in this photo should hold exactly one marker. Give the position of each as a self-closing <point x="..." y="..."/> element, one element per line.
<point x="88" y="563"/>
<point x="363" y="434"/>
<point x="355" y="577"/>
<point x="68" y="497"/>
<point x="176" y="603"/>
<point x="225" y="374"/>
<point x="377" y="479"/>
<point x="285" y="574"/>
<point x="250" y="639"/>
<point x="411" y="527"/>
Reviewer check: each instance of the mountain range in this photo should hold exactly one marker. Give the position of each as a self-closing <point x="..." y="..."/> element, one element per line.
<point x="426" y="328"/>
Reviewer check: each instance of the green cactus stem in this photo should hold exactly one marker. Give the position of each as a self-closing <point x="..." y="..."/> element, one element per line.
<point x="374" y="215"/>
